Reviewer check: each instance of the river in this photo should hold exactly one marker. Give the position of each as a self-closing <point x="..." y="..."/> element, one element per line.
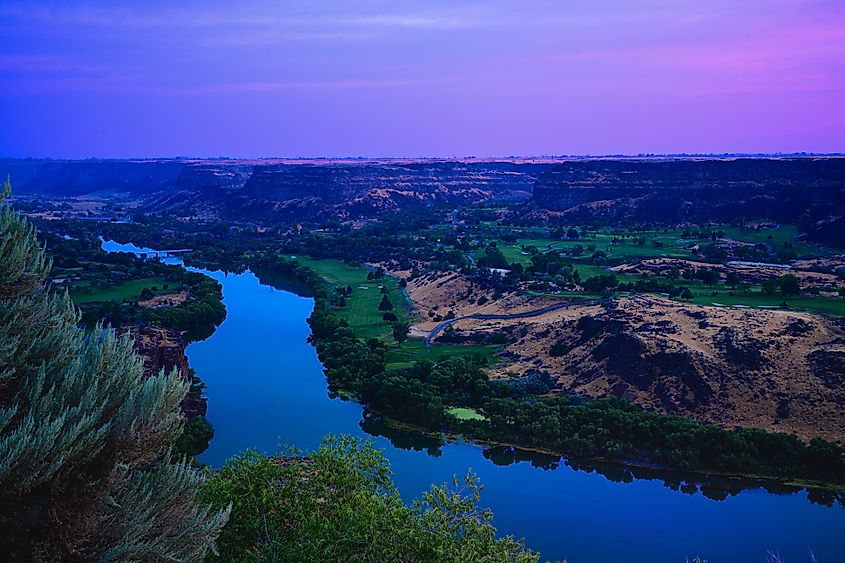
<point x="266" y="389"/>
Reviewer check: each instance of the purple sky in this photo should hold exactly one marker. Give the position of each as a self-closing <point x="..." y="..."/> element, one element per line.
<point x="412" y="78"/>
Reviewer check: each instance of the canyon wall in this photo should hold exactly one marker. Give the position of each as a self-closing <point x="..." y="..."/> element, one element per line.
<point x="806" y="191"/>
<point x="163" y="349"/>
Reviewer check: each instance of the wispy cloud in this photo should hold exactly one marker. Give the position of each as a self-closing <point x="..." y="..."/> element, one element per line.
<point x="46" y="64"/>
<point x="232" y="16"/>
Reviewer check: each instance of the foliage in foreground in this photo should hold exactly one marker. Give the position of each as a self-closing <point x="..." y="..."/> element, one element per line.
<point x="339" y="504"/>
<point x="85" y="469"/>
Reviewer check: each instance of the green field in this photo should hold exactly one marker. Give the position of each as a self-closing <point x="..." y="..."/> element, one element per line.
<point x="466" y="413"/>
<point x="413" y="350"/>
<point x="363" y="316"/>
<point x="361" y="311"/>
<point x="780" y="235"/>
<point x="125" y="291"/>
<point x="752" y="298"/>
<point x="673" y="246"/>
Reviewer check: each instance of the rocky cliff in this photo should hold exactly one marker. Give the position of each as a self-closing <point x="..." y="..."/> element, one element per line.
<point x="279" y="191"/>
<point x="269" y="191"/>
<point x="809" y="191"/>
<point x="163" y="349"/>
<point x="77" y="177"/>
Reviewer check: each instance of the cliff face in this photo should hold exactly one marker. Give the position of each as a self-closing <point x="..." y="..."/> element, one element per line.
<point x="162" y="349"/>
<point x="77" y="177"/>
<point x="807" y="191"/>
<point x="271" y="191"/>
<point x="797" y="190"/>
<point x="351" y="189"/>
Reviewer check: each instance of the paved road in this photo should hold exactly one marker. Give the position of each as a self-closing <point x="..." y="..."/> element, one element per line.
<point x="528" y="314"/>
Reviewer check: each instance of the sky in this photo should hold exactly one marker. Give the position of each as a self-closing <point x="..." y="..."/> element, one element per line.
<point x="404" y="78"/>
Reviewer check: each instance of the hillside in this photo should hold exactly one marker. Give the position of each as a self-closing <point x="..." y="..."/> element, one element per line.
<point x="280" y="191"/>
<point x="805" y="191"/>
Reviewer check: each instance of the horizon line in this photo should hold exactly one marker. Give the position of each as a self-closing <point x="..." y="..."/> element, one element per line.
<point x="621" y="156"/>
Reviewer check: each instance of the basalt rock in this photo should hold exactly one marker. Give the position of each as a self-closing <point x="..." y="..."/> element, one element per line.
<point x="741" y="352"/>
<point x="809" y="191"/>
<point x="163" y="349"/>
<point x="829" y="366"/>
<point x="282" y="191"/>
<point x="674" y="375"/>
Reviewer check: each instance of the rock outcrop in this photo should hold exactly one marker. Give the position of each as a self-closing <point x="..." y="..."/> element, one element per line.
<point x="810" y="191"/>
<point x="280" y="191"/>
<point x="778" y="370"/>
<point x="163" y="349"/>
<point x="77" y="177"/>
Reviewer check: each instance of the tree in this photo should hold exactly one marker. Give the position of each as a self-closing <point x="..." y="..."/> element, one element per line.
<point x="789" y="285"/>
<point x="400" y="331"/>
<point x="386" y="304"/>
<point x="340" y="504"/>
<point x="709" y="276"/>
<point x="85" y="468"/>
<point x="732" y="279"/>
<point x="601" y="283"/>
<point x="769" y="287"/>
<point x="495" y="258"/>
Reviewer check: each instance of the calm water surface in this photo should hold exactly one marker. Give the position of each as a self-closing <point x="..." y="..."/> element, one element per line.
<point x="266" y="388"/>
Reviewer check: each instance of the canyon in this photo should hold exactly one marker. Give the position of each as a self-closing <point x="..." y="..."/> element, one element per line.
<point x="808" y="191"/>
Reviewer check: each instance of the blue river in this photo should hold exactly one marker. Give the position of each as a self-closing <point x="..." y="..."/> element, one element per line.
<point x="266" y="390"/>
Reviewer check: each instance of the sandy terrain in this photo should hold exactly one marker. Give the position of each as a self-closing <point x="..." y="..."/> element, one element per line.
<point x="435" y="295"/>
<point x="772" y="369"/>
<point x="169" y="300"/>
<point x="778" y="370"/>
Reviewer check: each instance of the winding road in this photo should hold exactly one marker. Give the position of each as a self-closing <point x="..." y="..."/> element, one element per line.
<point x="477" y="316"/>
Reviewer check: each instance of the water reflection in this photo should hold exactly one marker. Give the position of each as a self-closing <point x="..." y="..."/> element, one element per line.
<point x="715" y="488"/>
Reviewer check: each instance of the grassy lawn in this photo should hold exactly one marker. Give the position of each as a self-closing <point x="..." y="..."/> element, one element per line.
<point x="752" y="298"/>
<point x="673" y="246"/>
<point x="361" y="311"/>
<point x="466" y="413"/>
<point x="363" y="316"/>
<point x="780" y="235"/>
<point x="128" y="290"/>
<point x="413" y="350"/>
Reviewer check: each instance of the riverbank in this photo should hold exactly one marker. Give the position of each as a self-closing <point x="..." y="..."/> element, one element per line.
<point x="636" y="436"/>
<point x="277" y="394"/>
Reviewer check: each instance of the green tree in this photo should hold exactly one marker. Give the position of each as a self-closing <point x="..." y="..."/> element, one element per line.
<point x="769" y="287"/>
<point x="400" y="331"/>
<point x="709" y="277"/>
<point x="494" y="257"/>
<point x="85" y="468"/>
<point x="732" y="279"/>
<point x="789" y="285"/>
<point x="386" y="304"/>
<point x="340" y="504"/>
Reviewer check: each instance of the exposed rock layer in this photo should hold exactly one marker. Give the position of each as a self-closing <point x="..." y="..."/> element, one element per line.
<point x="777" y="370"/>
<point x="810" y="191"/>
<point x="163" y="349"/>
